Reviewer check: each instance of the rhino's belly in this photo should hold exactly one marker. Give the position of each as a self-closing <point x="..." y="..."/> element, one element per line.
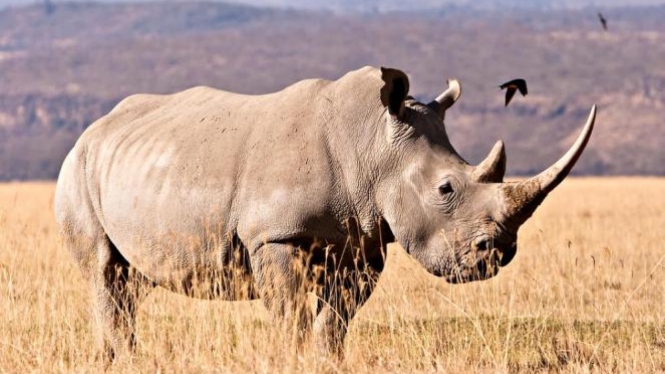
<point x="204" y="266"/>
<point x="181" y="240"/>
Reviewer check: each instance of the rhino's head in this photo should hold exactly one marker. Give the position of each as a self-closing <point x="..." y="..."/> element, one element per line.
<point x="459" y="221"/>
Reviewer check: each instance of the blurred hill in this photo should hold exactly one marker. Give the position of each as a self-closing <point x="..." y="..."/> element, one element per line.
<point x="61" y="70"/>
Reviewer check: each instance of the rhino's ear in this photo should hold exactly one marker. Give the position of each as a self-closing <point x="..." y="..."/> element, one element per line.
<point x="395" y="90"/>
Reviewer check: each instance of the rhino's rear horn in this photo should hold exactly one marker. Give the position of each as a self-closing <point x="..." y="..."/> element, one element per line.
<point x="493" y="167"/>
<point x="447" y="98"/>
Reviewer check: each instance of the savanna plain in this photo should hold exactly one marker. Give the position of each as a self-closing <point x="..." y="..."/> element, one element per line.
<point x="585" y="293"/>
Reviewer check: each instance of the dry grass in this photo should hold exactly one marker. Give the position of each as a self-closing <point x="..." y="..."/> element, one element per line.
<point x="585" y="293"/>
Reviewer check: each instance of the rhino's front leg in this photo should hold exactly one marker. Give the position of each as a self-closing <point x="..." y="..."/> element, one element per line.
<point x="341" y="299"/>
<point x="282" y="279"/>
<point x="330" y="327"/>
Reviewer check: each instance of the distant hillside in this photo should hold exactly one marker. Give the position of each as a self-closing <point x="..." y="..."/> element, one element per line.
<point x="60" y="71"/>
<point x="26" y="28"/>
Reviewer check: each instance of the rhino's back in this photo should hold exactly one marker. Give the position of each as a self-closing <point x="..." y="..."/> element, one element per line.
<point x="171" y="177"/>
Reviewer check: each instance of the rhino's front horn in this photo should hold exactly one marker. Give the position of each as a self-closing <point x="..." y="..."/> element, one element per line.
<point x="448" y="98"/>
<point x="522" y="198"/>
<point x="493" y="167"/>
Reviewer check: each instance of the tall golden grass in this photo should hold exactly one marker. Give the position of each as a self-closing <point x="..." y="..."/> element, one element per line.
<point x="585" y="293"/>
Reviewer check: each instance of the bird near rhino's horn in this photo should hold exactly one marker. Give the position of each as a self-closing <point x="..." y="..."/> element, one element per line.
<point x="522" y="198"/>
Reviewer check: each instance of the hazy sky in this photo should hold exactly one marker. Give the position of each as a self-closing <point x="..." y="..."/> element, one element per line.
<point x="392" y="5"/>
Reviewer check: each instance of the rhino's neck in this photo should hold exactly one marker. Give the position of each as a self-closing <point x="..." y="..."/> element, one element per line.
<point x="367" y="161"/>
<point x="404" y="170"/>
<point x="356" y="148"/>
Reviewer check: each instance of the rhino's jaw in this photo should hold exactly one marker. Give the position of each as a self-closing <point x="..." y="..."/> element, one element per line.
<point x="484" y="266"/>
<point x="482" y="271"/>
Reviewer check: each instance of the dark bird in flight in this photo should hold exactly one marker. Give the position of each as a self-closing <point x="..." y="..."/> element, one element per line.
<point x="512" y="86"/>
<point x="603" y="21"/>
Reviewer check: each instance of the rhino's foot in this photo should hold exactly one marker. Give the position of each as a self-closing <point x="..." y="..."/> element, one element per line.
<point x="329" y="333"/>
<point x="282" y="281"/>
<point x="341" y="298"/>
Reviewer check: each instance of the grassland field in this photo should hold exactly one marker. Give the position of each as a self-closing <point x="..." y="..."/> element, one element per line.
<point x="585" y="293"/>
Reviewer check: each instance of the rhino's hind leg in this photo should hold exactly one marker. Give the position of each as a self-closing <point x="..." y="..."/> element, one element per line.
<point x="117" y="291"/>
<point x="116" y="288"/>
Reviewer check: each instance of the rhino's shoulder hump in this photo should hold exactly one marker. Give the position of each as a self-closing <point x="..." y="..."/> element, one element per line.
<point x="304" y="87"/>
<point x="364" y="73"/>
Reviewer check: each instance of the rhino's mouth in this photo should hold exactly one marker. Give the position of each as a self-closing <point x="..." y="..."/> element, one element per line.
<point x="483" y="267"/>
<point x="482" y="270"/>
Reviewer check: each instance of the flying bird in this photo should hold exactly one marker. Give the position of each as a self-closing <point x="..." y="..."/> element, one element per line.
<point x="512" y="86"/>
<point x="603" y="21"/>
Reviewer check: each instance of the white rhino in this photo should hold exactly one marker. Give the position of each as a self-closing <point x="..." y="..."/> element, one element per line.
<point x="220" y="195"/>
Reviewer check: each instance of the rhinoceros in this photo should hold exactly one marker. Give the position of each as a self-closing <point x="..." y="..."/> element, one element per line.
<point x="283" y="196"/>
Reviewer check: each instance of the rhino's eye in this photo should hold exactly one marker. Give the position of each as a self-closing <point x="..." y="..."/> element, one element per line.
<point x="445" y="189"/>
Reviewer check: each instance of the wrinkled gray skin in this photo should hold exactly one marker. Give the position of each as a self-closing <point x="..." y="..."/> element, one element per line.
<point x="219" y="195"/>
